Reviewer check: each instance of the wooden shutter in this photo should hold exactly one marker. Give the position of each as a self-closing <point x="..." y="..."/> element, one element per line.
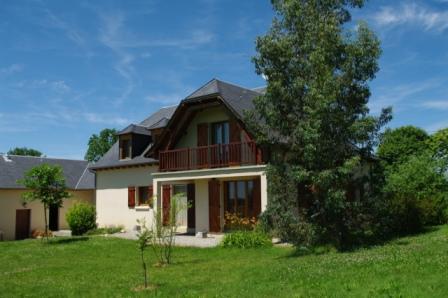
<point x="214" y="206"/>
<point x="166" y="203"/>
<point x="235" y="140"/>
<point x="202" y="134"/>
<point x="202" y="153"/>
<point x="131" y="196"/>
<point x="234" y="132"/>
<point x="257" y="197"/>
<point x="150" y="196"/>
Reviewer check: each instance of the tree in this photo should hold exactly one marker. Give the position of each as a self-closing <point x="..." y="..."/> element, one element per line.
<point x="398" y="145"/>
<point x="143" y="240"/>
<point x="100" y="144"/>
<point x="24" y="151"/>
<point x="314" y="115"/>
<point x="438" y="145"/>
<point x="46" y="183"/>
<point x="417" y="190"/>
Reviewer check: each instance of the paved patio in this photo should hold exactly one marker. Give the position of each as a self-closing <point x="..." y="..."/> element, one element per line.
<point x="212" y="240"/>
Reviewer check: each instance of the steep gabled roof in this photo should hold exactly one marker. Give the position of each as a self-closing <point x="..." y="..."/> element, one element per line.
<point x="237" y="98"/>
<point x="13" y="168"/>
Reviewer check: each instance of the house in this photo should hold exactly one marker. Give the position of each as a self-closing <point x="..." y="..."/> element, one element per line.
<point x="199" y="149"/>
<point x="17" y="220"/>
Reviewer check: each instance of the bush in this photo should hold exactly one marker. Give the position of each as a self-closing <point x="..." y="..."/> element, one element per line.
<point x="81" y="218"/>
<point x="417" y="190"/>
<point x="246" y="239"/>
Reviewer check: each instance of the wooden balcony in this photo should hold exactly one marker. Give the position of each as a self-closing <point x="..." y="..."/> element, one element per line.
<point x="213" y="156"/>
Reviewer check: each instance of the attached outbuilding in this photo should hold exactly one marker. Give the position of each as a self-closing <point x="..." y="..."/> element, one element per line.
<point x="18" y="220"/>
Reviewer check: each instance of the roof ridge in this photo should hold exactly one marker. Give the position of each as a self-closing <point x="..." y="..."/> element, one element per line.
<point x="42" y="157"/>
<point x="82" y="175"/>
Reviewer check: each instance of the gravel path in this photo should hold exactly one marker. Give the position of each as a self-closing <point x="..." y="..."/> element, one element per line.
<point x="181" y="239"/>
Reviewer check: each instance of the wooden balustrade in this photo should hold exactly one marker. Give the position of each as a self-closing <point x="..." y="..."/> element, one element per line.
<point x="213" y="156"/>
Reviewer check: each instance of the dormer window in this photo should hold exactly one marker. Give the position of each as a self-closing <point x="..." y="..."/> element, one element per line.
<point x="125" y="147"/>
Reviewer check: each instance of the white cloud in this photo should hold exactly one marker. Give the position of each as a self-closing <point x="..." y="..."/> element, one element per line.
<point x="59" y="86"/>
<point x="412" y="14"/>
<point x="396" y="95"/>
<point x="105" y="119"/>
<point x="11" y="69"/>
<point x="436" y="104"/>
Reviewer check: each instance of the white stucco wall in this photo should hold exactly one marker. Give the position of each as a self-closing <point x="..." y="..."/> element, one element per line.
<point x="112" y="196"/>
<point x="11" y="200"/>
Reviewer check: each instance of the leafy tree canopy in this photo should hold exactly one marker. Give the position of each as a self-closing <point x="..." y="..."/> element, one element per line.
<point x="45" y="183"/>
<point x="100" y="144"/>
<point x="397" y="145"/>
<point x="438" y="144"/>
<point x="317" y="72"/>
<point x="24" y="151"/>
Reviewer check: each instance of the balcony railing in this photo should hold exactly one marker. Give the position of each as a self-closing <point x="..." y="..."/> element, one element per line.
<point x="213" y="156"/>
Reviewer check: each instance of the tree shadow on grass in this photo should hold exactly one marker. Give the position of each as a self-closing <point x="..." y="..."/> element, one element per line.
<point x="67" y="240"/>
<point x="324" y="249"/>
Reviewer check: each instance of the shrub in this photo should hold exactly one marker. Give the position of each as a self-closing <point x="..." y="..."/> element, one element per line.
<point x="246" y="239"/>
<point x="81" y="218"/>
<point x="105" y="230"/>
<point x="417" y="190"/>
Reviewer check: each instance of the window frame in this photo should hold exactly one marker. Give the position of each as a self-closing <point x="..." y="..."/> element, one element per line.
<point x="128" y="140"/>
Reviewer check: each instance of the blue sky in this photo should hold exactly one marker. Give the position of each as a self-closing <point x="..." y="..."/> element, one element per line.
<point x="71" y="68"/>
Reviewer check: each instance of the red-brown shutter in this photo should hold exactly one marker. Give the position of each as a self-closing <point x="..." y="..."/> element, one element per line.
<point x="150" y="196"/>
<point x="202" y="134"/>
<point x="234" y="132"/>
<point x="131" y="196"/>
<point x="257" y="197"/>
<point x="214" y="207"/>
<point x="202" y="153"/>
<point x="166" y="202"/>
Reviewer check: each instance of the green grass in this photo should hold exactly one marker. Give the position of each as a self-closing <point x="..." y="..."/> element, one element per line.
<point x="107" y="267"/>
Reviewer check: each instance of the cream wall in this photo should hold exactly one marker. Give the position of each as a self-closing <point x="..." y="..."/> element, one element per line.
<point x="10" y="200"/>
<point x="209" y="115"/>
<point x="112" y="196"/>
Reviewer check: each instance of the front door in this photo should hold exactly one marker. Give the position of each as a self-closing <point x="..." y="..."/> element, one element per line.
<point x="191" y="213"/>
<point x="23" y="220"/>
<point x="54" y="218"/>
<point x="214" y="206"/>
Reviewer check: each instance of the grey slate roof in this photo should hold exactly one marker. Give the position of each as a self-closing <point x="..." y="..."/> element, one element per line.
<point x="13" y="167"/>
<point x="235" y="97"/>
<point x="138" y="129"/>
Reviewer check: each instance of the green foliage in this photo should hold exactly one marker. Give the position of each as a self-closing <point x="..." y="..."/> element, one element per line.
<point x="163" y="234"/>
<point x="106" y="267"/>
<point x="246" y="239"/>
<point x="144" y="236"/>
<point x="438" y="145"/>
<point x="418" y="195"/>
<point x="45" y="183"/>
<point x="24" y="151"/>
<point x="315" y="114"/>
<point x="398" y="145"/>
<point x="81" y="218"/>
<point x="100" y="144"/>
<point x="105" y="230"/>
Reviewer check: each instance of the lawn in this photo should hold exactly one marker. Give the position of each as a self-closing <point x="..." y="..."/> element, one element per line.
<point x="107" y="267"/>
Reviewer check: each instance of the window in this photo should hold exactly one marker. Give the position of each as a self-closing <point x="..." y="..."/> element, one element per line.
<point x="125" y="147"/>
<point x="239" y="197"/>
<point x="180" y="189"/>
<point x="220" y="133"/>
<point x="143" y="196"/>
